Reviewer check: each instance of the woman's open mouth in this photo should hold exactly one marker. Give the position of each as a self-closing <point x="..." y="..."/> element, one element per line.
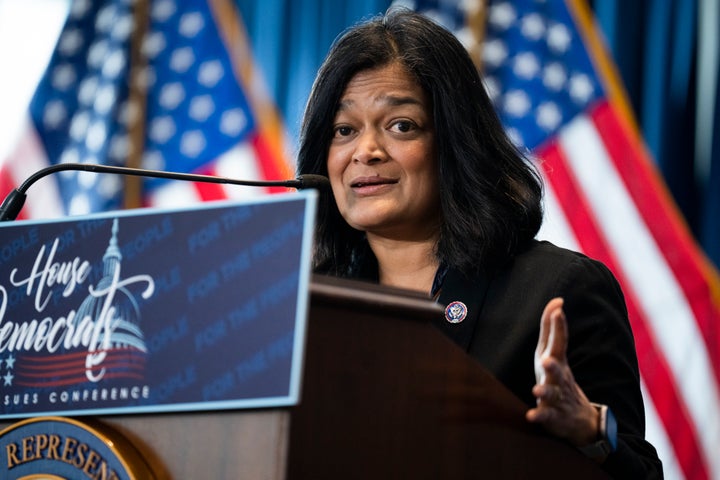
<point x="364" y="182"/>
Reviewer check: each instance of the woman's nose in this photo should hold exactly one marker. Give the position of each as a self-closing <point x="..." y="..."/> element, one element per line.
<point x="369" y="148"/>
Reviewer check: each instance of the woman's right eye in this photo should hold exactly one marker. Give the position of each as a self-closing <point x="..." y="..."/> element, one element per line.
<point x="342" y="131"/>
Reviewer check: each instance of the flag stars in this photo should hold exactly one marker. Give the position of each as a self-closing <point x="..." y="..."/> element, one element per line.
<point x="80" y="204"/>
<point x="97" y="53"/>
<point x="192" y="143"/>
<point x="87" y="90"/>
<point x="79" y="8"/>
<point x="201" y="107"/>
<point x="494" y="53"/>
<point x="119" y="147"/>
<point x="171" y="95"/>
<point x="233" y="122"/>
<point x="106" y="18"/>
<point x="559" y="38"/>
<point x="79" y="125"/>
<point x="8" y="379"/>
<point x="54" y="115"/>
<point x="70" y="42"/>
<point x="87" y="180"/>
<point x="502" y="15"/>
<point x="114" y="64"/>
<point x="122" y="28"/>
<point x="109" y="185"/>
<point x="548" y="116"/>
<point x="581" y="88"/>
<point x="191" y="24"/>
<point x="185" y="119"/>
<point x="64" y="77"/>
<point x="70" y="155"/>
<point x="163" y="10"/>
<point x="161" y="129"/>
<point x="532" y="26"/>
<point x="105" y="99"/>
<point x="210" y="73"/>
<point x="182" y="59"/>
<point x="96" y="136"/>
<point x="554" y="76"/>
<point x="526" y="65"/>
<point x="517" y="103"/>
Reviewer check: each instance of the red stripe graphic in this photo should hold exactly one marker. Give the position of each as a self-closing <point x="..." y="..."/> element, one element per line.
<point x="80" y="380"/>
<point x="70" y="368"/>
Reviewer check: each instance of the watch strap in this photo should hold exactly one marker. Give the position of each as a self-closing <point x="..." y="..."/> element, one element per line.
<point x="607" y="434"/>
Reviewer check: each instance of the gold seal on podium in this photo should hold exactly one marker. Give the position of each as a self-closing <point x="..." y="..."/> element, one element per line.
<point x="58" y="448"/>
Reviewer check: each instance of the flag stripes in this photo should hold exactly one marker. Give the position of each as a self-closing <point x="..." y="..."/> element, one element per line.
<point x="666" y="297"/>
<point x="559" y="172"/>
<point x="604" y="198"/>
<point x="673" y="363"/>
<point x="694" y="274"/>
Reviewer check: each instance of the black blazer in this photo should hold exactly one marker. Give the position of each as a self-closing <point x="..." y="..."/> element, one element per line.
<point x="503" y="324"/>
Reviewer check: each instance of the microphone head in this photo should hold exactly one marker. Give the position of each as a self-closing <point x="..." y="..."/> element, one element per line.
<point x="309" y="180"/>
<point x="12" y="205"/>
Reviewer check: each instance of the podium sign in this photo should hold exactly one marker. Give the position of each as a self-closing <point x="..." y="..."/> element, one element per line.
<point x="155" y="310"/>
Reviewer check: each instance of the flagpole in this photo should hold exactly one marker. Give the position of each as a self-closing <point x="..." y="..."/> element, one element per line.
<point x="137" y="104"/>
<point x="476" y="21"/>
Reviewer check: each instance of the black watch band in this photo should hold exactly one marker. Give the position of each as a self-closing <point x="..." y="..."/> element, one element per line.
<point x="607" y="434"/>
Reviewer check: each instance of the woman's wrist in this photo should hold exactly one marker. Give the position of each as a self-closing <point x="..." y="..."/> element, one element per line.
<point x="605" y="435"/>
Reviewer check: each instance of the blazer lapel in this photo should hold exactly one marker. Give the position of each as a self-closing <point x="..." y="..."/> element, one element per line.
<point x="471" y="292"/>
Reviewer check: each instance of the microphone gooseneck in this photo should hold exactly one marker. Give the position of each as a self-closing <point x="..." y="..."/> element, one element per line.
<point x="15" y="200"/>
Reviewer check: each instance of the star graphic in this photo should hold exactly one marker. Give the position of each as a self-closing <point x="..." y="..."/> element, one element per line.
<point x="8" y="379"/>
<point x="10" y="362"/>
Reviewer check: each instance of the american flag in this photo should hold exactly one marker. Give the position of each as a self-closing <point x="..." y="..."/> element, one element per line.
<point x="552" y="82"/>
<point x="165" y="85"/>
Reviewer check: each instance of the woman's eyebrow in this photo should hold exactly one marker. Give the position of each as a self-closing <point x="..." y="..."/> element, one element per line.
<point x="395" y="101"/>
<point x="391" y="100"/>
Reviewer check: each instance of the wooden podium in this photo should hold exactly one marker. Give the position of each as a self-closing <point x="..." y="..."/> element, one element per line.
<point x="384" y="395"/>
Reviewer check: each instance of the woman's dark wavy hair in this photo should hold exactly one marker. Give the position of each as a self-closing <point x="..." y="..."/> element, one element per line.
<point x="489" y="193"/>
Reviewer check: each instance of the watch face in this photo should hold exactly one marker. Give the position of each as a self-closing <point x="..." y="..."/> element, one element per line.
<point x="611" y="429"/>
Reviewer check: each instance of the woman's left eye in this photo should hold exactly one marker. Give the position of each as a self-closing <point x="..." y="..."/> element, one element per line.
<point x="403" y="126"/>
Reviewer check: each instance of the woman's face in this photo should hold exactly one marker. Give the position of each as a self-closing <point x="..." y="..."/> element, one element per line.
<point x="382" y="163"/>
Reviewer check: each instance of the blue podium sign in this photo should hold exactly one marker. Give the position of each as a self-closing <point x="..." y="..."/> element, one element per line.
<point x="156" y="310"/>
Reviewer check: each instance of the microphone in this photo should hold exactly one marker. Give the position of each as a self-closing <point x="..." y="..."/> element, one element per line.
<point x="15" y="200"/>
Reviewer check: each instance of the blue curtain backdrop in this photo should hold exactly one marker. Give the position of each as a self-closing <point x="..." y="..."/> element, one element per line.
<point x="654" y="43"/>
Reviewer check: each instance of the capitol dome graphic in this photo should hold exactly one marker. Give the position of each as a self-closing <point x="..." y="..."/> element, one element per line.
<point x="127" y="313"/>
<point x="127" y="343"/>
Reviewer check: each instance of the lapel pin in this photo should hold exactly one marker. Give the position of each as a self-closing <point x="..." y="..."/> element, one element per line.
<point x="455" y="312"/>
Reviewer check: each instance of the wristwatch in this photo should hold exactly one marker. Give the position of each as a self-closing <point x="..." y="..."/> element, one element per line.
<point x="607" y="434"/>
